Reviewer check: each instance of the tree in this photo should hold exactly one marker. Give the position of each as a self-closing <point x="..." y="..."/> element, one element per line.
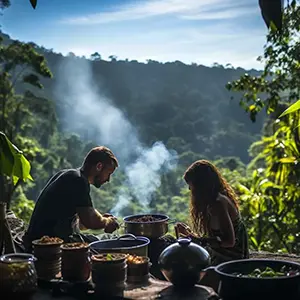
<point x="113" y="58"/>
<point x="95" y="56"/>
<point x="4" y="4"/>
<point x="20" y="63"/>
<point x="271" y="199"/>
<point x="280" y="79"/>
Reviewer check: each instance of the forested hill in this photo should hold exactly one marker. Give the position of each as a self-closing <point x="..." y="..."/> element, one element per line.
<point x="185" y="106"/>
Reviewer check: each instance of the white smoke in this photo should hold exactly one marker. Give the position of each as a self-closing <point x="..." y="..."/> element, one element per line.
<point x="86" y="107"/>
<point x="144" y="175"/>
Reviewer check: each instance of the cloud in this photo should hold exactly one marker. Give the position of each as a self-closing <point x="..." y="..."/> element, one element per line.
<point x="169" y="30"/>
<point x="181" y="9"/>
<point x="221" y="14"/>
<point x="222" y="43"/>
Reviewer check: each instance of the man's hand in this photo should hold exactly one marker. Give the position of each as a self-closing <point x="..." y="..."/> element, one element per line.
<point x="108" y="215"/>
<point x="111" y="224"/>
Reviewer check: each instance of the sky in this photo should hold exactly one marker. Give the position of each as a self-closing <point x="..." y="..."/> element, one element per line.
<point x="192" y="31"/>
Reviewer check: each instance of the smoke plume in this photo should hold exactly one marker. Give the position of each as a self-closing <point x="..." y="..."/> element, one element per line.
<point x="86" y="109"/>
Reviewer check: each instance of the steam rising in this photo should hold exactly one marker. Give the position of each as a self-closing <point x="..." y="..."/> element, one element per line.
<point x="86" y="107"/>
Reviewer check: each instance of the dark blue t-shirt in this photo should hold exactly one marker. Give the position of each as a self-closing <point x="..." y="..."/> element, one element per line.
<point x="55" y="210"/>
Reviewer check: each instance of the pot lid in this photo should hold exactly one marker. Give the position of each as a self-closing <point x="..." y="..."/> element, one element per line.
<point x="184" y="251"/>
<point x="127" y="241"/>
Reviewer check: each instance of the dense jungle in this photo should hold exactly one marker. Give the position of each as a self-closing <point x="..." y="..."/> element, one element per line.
<point x="55" y="108"/>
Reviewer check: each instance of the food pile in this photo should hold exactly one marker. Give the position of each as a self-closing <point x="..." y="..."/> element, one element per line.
<point x="134" y="259"/>
<point x="108" y="256"/>
<point x="269" y="273"/>
<point x="144" y="219"/>
<point x="49" y="240"/>
<point x="75" y="246"/>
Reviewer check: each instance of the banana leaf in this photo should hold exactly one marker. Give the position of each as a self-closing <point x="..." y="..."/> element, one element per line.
<point x="12" y="161"/>
<point x="272" y="11"/>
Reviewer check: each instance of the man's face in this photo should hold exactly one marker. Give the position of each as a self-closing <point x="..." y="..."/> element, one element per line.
<point x="101" y="174"/>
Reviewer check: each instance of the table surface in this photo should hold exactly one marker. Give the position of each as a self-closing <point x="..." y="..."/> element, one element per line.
<point x="154" y="289"/>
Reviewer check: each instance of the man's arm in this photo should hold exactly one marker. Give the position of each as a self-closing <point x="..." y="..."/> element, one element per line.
<point x="90" y="218"/>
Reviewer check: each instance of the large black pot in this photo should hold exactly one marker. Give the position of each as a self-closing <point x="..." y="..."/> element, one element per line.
<point x="127" y="243"/>
<point x="232" y="287"/>
<point x="150" y="229"/>
<point x="182" y="263"/>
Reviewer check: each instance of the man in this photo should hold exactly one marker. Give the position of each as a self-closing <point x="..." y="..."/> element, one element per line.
<point x="66" y="198"/>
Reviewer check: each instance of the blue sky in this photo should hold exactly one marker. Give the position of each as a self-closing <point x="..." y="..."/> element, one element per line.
<point x="200" y="31"/>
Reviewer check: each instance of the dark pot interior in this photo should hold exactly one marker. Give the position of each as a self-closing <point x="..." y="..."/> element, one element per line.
<point x="136" y="245"/>
<point x="233" y="287"/>
<point x="116" y="244"/>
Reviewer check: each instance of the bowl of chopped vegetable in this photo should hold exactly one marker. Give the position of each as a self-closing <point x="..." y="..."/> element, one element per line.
<point x="258" y="279"/>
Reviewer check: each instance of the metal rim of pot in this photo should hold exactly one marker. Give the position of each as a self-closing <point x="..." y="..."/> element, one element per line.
<point x="17" y="258"/>
<point x="37" y="243"/>
<point x="161" y="217"/>
<point x="133" y="238"/>
<point x="218" y="269"/>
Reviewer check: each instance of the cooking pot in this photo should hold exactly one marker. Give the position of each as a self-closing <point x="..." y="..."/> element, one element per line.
<point x="150" y="229"/>
<point x="233" y="287"/>
<point x="127" y="243"/>
<point x="182" y="263"/>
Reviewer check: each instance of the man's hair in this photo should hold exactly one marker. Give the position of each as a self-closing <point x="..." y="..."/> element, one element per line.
<point x="100" y="154"/>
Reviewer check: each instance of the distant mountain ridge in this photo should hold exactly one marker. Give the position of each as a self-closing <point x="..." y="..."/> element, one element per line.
<point x="185" y="106"/>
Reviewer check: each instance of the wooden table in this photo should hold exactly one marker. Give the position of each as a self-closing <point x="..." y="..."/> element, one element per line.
<point x="154" y="289"/>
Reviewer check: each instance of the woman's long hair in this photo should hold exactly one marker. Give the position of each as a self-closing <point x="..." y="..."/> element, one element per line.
<point x="207" y="183"/>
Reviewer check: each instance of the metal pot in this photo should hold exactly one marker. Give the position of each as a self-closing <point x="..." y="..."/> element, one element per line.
<point x="18" y="275"/>
<point x="182" y="263"/>
<point x="127" y="243"/>
<point x="233" y="287"/>
<point x="154" y="229"/>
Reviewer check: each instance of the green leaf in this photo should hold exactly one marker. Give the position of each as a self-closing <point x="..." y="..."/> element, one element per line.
<point x="12" y="161"/>
<point x="288" y="160"/>
<point x="254" y="241"/>
<point x="33" y="3"/>
<point x="273" y="27"/>
<point x="291" y="109"/>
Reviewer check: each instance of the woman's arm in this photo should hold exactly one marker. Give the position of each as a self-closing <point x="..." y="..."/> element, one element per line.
<point x="183" y="230"/>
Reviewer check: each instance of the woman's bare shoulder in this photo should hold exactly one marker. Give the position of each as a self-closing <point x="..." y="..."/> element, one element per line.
<point x="221" y="203"/>
<point x="222" y="199"/>
<point x="224" y="203"/>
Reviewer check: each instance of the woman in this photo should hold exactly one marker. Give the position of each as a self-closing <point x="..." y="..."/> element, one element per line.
<point x="216" y="220"/>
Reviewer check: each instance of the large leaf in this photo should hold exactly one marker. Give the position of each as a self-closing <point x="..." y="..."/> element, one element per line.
<point x="12" y="161"/>
<point x="271" y="11"/>
<point x="33" y="3"/>
<point x="292" y="108"/>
